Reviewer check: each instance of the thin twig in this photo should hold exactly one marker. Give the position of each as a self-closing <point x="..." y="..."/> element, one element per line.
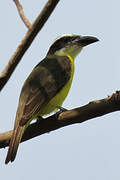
<point x="26" y="42"/>
<point x="21" y="13"/>
<point x="78" y="115"/>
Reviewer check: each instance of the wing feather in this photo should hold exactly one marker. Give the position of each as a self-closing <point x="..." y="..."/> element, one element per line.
<point x="44" y="82"/>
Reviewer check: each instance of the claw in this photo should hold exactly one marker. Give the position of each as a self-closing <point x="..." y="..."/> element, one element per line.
<point x="61" y="109"/>
<point x="39" y="119"/>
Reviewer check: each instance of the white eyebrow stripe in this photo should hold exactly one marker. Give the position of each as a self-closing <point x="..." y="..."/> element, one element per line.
<point x="64" y="35"/>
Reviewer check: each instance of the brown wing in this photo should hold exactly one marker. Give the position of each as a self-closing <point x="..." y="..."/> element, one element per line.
<point x="45" y="81"/>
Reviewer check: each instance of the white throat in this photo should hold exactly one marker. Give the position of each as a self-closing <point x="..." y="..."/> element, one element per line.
<point x="72" y="51"/>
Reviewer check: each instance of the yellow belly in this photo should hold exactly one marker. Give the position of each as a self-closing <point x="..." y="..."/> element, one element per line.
<point x="60" y="97"/>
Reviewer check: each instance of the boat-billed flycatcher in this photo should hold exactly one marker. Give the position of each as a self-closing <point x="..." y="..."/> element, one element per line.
<point x="47" y="86"/>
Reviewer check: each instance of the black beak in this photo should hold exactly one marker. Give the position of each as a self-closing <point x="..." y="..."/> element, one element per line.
<point x="86" y="40"/>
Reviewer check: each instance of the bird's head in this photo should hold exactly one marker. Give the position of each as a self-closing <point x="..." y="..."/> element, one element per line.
<point x="70" y="45"/>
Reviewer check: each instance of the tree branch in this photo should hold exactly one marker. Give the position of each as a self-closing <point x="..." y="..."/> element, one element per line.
<point x="26" y="42"/>
<point x="78" y="115"/>
<point x="21" y="13"/>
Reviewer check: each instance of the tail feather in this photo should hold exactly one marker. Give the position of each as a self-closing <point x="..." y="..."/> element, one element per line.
<point x="14" y="143"/>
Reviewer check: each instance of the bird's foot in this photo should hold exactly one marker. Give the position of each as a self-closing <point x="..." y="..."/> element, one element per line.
<point x="61" y="109"/>
<point x="39" y="119"/>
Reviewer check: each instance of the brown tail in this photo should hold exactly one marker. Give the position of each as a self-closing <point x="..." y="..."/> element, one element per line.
<point x="14" y="143"/>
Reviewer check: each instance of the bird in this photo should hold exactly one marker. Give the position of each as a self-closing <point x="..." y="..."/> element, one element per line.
<point x="47" y="86"/>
